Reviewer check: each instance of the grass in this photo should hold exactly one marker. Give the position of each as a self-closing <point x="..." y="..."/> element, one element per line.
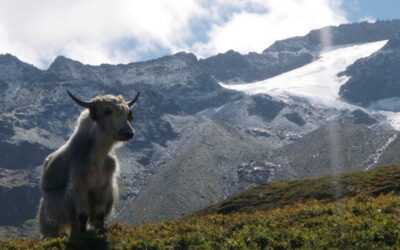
<point x="374" y="182"/>
<point x="353" y="211"/>
<point x="360" y="222"/>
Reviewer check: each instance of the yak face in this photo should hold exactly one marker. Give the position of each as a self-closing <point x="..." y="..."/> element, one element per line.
<point x="115" y="120"/>
<point x="112" y="114"/>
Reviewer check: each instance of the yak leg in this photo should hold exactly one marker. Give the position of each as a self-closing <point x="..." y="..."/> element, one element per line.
<point x="49" y="228"/>
<point x="103" y="204"/>
<point x="79" y="224"/>
<point x="82" y="209"/>
<point x="82" y="215"/>
<point x="83" y="219"/>
<point x="98" y="222"/>
<point x="74" y="228"/>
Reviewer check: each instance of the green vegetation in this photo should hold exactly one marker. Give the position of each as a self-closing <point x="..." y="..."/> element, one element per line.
<point x="353" y="211"/>
<point x="374" y="182"/>
<point x="28" y="229"/>
<point x="357" y="223"/>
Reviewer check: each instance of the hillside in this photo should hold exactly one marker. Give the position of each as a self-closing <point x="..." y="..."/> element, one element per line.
<point x="333" y="149"/>
<point x="278" y="194"/>
<point x="369" y="220"/>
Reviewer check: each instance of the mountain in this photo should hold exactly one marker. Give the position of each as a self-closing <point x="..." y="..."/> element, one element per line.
<point x="199" y="140"/>
<point x="352" y="211"/>
<point x="233" y="67"/>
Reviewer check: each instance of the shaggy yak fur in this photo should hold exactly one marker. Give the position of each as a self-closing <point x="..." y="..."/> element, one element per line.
<point x="79" y="179"/>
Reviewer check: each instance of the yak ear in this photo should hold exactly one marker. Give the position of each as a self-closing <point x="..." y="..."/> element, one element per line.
<point x="93" y="113"/>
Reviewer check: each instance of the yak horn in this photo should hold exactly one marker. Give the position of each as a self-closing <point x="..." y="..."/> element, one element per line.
<point x="130" y="104"/>
<point x="80" y="102"/>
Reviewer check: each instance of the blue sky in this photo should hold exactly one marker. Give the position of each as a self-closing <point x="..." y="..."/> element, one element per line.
<point x="377" y="9"/>
<point x="122" y="31"/>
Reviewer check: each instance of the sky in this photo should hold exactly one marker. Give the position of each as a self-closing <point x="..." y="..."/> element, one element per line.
<point x="123" y="31"/>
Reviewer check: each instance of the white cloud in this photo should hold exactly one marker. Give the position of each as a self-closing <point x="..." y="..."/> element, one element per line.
<point x="368" y="19"/>
<point x="92" y="30"/>
<point x="249" y="31"/>
<point x="120" y="31"/>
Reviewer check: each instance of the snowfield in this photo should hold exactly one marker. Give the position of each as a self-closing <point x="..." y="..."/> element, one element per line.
<point x="316" y="82"/>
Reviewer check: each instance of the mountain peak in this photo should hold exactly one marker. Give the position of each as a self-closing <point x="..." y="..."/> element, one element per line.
<point x="11" y="68"/>
<point x="9" y="59"/>
<point x="188" y="57"/>
<point x="63" y="62"/>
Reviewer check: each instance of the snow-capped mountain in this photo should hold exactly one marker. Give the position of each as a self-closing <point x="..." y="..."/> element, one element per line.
<point x="316" y="82"/>
<point x="209" y="128"/>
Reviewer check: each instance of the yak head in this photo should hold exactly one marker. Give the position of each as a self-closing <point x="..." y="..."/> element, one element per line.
<point x="112" y="114"/>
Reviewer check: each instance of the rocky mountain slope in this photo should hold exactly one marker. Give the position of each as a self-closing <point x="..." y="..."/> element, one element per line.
<point x="333" y="148"/>
<point x="375" y="80"/>
<point x="214" y="175"/>
<point x="199" y="141"/>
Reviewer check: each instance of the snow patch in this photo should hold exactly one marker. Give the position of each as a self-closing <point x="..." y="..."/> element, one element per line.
<point x="374" y="158"/>
<point x="393" y="119"/>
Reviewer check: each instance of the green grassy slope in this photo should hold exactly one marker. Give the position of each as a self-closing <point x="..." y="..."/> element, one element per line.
<point x="356" y="223"/>
<point x="374" y="182"/>
<point x="352" y="211"/>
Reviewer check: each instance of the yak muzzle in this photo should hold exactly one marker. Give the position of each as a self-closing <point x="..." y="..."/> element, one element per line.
<point x="125" y="134"/>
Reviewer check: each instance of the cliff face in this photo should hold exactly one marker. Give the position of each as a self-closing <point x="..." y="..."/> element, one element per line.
<point x="375" y="80"/>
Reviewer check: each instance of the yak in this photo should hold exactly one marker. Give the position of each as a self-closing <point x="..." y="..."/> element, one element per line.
<point x="78" y="183"/>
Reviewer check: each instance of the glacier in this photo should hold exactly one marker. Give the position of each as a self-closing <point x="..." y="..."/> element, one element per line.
<point x="317" y="82"/>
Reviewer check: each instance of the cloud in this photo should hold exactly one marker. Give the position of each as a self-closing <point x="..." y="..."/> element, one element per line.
<point x="368" y="19"/>
<point x="121" y="31"/>
<point x="250" y="30"/>
<point x="93" y="31"/>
